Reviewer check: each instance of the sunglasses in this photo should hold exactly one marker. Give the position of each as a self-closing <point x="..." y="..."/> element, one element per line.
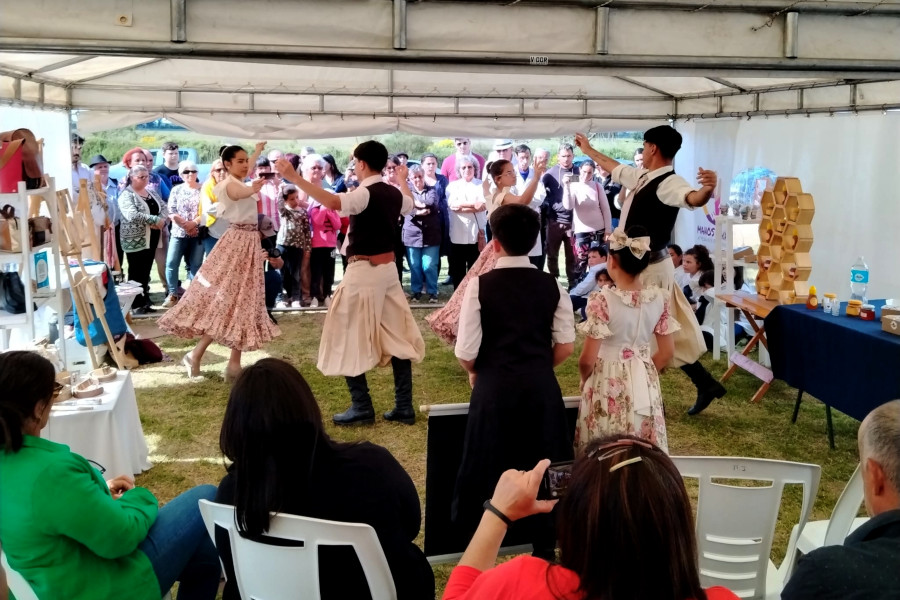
<point x="222" y="170"/>
<point x="189" y="172"/>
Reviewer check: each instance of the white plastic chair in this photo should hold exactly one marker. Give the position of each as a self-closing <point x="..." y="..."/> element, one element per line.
<point x="833" y="531"/>
<point x="736" y="524"/>
<point x="17" y="584"/>
<point x="271" y="572"/>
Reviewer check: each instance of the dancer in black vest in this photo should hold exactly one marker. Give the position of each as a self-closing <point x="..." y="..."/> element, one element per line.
<point x="515" y="325"/>
<point x="656" y="196"/>
<point x="369" y="322"/>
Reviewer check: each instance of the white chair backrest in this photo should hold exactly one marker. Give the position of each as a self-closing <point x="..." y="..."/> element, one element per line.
<point x="845" y="510"/>
<point x="271" y="572"/>
<point x="17" y="584"/>
<point x="736" y="524"/>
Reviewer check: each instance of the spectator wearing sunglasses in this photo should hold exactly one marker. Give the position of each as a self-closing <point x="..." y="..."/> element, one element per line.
<point x="625" y="527"/>
<point x="185" y="243"/>
<point x="450" y="166"/>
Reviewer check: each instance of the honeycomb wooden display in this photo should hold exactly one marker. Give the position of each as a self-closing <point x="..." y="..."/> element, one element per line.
<point x="785" y="239"/>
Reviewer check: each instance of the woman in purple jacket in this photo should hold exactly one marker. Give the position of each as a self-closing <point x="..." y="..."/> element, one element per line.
<point x="422" y="237"/>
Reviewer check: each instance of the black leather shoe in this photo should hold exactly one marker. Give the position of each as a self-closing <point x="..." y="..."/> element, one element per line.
<point x="406" y="416"/>
<point x="705" y="398"/>
<point x="355" y="416"/>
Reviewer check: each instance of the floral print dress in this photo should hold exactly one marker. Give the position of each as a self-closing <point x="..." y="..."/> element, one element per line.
<point x="622" y="395"/>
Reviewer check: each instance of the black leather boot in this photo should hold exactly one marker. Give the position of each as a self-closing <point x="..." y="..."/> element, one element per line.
<point x="361" y="411"/>
<point x="708" y="388"/>
<point x="403" y="409"/>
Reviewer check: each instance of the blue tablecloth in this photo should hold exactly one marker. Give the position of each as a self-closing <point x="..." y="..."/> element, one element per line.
<point x="847" y="363"/>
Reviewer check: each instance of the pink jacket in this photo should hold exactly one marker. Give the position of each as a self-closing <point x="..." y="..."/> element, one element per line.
<point x="325" y="224"/>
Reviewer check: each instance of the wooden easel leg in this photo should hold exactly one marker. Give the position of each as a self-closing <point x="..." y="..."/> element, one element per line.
<point x="830" y="426"/>
<point x="797" y="406"/>
<point x="760" y="393"/>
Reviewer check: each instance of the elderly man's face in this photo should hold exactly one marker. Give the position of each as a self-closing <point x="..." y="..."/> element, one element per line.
<point x="505" y="154"/>
<point x="523" y="160"/>
<point x="274" y="155"/>
<point x="541" y="156"/>
<point x="102" y="169"/>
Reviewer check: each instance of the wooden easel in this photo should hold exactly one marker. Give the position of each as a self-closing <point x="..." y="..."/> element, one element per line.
<point x="84" y="221"/>
<point x="85" y="287"/>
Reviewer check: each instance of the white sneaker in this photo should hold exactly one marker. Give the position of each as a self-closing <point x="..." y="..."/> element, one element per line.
<point x="327" y="301"/>
<point x="282" y="304"/>
<point x="314" y="303"/>
<point x="296" y="304"/>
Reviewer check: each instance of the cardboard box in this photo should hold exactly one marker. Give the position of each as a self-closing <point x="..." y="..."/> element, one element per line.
<point x="888" y="309"/>
<point x="891" y="324"/>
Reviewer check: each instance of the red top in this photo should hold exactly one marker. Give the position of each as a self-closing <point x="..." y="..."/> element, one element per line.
<point x="527" y="578"/>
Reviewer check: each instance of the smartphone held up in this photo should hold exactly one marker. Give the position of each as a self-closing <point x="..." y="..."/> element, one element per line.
<point x="556" y="480"/>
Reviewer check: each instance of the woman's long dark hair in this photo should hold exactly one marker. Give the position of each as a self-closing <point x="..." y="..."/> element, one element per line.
<point x="332" y="165"/>
<point x="629" y="533"/>
<point x="272" y="432"/>
<point x="27" y="380"/>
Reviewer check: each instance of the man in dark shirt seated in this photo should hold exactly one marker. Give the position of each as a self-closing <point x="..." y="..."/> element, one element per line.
<point x="866" y="565"/>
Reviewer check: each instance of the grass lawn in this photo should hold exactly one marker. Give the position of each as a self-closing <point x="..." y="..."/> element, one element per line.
<point x="181" y="419"/>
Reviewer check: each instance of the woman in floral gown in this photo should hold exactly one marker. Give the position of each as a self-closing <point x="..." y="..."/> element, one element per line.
<point x="619" y="373"/>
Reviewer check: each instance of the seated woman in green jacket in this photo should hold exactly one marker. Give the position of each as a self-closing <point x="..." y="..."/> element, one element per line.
<point x="71" y="534"/>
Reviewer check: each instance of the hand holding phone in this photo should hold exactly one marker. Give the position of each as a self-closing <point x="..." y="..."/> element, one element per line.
<point x="555" y="482"/>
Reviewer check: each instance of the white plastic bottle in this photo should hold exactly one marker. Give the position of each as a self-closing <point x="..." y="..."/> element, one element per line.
<point x="859" y="280"/>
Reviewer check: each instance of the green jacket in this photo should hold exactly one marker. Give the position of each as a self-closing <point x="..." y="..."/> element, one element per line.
<point x="61" y="529"/>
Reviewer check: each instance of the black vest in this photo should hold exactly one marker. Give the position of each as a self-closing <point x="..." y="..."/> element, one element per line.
<point x="373" y="230"/>
<point x="648" y="211"/>
<point x="517" y="308"/>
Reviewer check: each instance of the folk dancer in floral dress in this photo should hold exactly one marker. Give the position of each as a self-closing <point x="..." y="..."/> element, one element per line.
<point x="619" y="375"/>
<point x="226" y="302"/>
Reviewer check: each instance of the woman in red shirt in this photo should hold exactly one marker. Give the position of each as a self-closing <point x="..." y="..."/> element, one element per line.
<point x="625" y="526"/>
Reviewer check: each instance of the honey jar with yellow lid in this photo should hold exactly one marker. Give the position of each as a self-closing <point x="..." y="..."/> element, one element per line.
<point x="853" y="308"/>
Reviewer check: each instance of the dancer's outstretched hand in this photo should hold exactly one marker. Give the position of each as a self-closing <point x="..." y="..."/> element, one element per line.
<point x="582" y="142"/>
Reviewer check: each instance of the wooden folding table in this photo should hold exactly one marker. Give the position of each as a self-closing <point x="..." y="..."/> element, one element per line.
<point x="754" y="307"/>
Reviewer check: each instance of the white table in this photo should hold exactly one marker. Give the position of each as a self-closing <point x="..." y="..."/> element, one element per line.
<point x="109" y="433"/>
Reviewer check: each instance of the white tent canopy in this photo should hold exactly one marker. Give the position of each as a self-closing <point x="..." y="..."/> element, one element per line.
<point x="312" y="69"/>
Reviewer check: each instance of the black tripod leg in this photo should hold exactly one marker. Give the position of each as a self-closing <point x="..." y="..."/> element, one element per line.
<point x="830" y="426"/>
<point x="797" y="406"/>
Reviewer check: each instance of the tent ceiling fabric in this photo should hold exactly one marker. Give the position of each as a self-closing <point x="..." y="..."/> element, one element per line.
<point x="289" y="68"/>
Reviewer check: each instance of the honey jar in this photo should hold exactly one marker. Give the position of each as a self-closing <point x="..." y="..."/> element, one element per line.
<point x="867" y="312"/>
<point x="853" y="308"/>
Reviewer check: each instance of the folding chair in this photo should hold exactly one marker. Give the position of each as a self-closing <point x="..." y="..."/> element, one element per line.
<point x="275" y="570"/>
<point x="829" y="532"/>
<point x="736" y="524"/>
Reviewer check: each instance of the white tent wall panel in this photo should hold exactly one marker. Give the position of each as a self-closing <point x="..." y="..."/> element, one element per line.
<point x="689" y="33"/>
<point x="424" y="105"/>
<point x="638" y="109"/>
<point x="779" y="100"/>
<point x="482" y="106"/>
<point x="364" y="104"/>
<point x="827" y="97"/>
<point x="682" y="85"/>
<point x="286" y="102"/>
<point x="738" y="104"/>
<point x="203" y="100"/>
<point x="138" y="99"/>
<point x="848" y="163"/>
<point x="341" y="23"/>
<point x="88" y="19"/>
<point x="7" y="87"/>
<point x="554" y="107"/>
<point x="97" y="120"/>
<point x="96" y="67"/>
<point x="861" y="37"/>
<point x="697" y="106"/>
<point x="54" y="95"/>
<point x="885" y="92"/>
<point x="489" y="27"/>
<point x="31" y="91"/>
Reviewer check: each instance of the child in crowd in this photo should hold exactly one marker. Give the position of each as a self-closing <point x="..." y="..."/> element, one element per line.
<point x="515" y="326"/>
<point x="293" y="242"/>
<point x="677" y="253"/>
<point x="596" y="263"/>
<point x="695" y="261"/>
<point x="707" y="315"/>
<point x="326" y="223"/>
<point x="619" y="376"/>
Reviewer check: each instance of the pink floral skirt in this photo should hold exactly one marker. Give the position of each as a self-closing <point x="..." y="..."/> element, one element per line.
<point x="444" y="322"/>
<point x="227" y="298"/>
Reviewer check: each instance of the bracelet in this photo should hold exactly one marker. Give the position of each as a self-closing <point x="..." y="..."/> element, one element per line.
<point x="488" y="506"/>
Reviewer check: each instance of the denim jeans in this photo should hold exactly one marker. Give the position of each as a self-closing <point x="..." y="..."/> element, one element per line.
<point x="423" y="264"/>
<point x="179" y="548"/>
<point x="191" y="250"/>
<point x="208" y="243"/>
